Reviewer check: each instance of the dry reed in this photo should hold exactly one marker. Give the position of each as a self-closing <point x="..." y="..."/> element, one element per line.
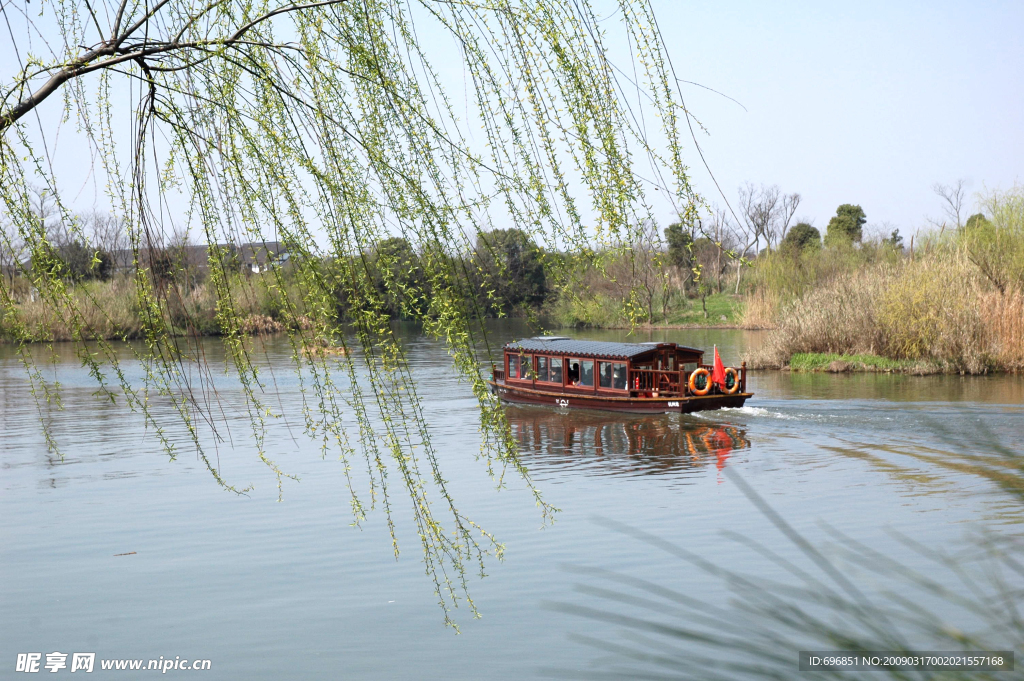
<point x="1003" y="315"/>
<point x="110" y="310"/>
<point x="761" y="307"/>
<point x="937" y="310"/>
<point x="260" y="324"/>
<point x="107" y="310"/>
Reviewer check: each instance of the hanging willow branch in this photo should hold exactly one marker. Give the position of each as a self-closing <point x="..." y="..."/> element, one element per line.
<point x="327" y="127"/>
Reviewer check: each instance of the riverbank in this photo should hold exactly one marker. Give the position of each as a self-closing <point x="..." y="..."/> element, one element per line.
<point x="111" y="310"/>
<point x="935" y="315"/>
<point x="259" y="304"/>
<point x="952" y="303"/>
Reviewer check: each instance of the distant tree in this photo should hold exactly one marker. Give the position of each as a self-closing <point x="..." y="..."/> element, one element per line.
<point x="759" y="211"/>
<point x="397" y="276"/>
<point x="680" y="246"/>
<point x="787" y="209"/>
<point x="975" y="221"/>
<point x="722" y="236"/>
<point x="512" y="269"/>
<point x="953" y="196"/>
<point x="107" y="232"/>
<point x="895" y="240"/>
<point x="12" y="251"/>
<point x="643" y="274"/>
<point x="681" y="255"/>
<point x="801" y="236"/>
<point x="847" y="226"/>
<point x="74" y="260"/>
<point x="163" y="267"/>
<point x="995" y="240"/>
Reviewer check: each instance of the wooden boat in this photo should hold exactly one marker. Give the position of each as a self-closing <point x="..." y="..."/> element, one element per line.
<point x="639" y="378"/>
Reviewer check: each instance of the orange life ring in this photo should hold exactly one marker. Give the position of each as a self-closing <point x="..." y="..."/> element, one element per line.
<point x="729" y="371"/>
<point x="707" y="382"/>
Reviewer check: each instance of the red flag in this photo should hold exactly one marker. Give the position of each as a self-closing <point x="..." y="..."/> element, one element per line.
<point x="718" y="371"/>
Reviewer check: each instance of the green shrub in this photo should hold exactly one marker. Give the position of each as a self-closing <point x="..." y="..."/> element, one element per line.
<point x="800" y="237"/>
<point x="846" y="227"/>
<point x="995" y="245"/>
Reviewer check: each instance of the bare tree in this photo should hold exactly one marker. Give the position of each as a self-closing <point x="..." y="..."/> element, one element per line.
<point x="108" y="232"/>
<point x="721" y="233"/>
<point x="787" y="208"/>
<point x="953" y="196"/>
<point x="648" y="274"/>
<point x="46" y="217"/>
<point x="759" y="212"/>
<point x="12" y="251"/>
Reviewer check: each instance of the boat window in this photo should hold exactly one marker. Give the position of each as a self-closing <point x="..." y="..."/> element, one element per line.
<point x="542" y="368"/>
<point x="526" y="367"/>
<point x="513" y="366"/>
<point x="605" y="374"/>
<point x="556" y="370"/>
<point x="587" y="373"/>
<point x="671" y="363"/>
<point x="619" y="375"/>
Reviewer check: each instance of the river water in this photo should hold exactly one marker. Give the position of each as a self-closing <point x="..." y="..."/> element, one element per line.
<point x="269" y="589"/>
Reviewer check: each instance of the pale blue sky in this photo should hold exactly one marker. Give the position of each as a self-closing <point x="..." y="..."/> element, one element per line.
<point x="862" y="102"/>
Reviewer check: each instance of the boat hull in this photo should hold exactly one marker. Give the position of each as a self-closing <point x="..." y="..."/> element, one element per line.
<point x="628" y="405"/>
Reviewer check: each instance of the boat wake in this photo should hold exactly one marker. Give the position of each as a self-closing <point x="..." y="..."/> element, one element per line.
<point x="745" y="411"/>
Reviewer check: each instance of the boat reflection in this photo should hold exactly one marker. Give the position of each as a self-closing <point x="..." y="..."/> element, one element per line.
<point x="600" y="443"/>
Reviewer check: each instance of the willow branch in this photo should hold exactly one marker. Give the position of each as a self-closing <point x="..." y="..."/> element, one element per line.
<point x="106" y="52"/>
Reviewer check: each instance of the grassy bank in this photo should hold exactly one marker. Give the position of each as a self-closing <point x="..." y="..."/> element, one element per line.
<point x="835" y="363"/>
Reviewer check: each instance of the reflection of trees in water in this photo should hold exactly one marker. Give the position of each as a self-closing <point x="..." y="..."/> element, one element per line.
<point x="620" y="443"/>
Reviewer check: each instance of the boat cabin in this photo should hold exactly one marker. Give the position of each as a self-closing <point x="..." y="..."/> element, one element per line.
<point x="562" y="364"/>
<point x="624" y="377"/>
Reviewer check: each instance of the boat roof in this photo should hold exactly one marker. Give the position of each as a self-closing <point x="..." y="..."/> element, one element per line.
<point x="567" y="346"/>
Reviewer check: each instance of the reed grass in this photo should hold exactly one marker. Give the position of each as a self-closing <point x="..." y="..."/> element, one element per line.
<point x="955" y="301"/>
<point x="110" y="310"/>
<point x="1003" y="316"/>
<point x="760" y="310"/>
<point x="936" y="310"/>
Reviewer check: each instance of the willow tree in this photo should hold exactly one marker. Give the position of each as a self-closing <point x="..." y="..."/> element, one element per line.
<point x="328" y="126"/>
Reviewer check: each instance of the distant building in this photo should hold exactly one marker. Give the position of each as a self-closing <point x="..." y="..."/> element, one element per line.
<point x="262" y="256"/>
